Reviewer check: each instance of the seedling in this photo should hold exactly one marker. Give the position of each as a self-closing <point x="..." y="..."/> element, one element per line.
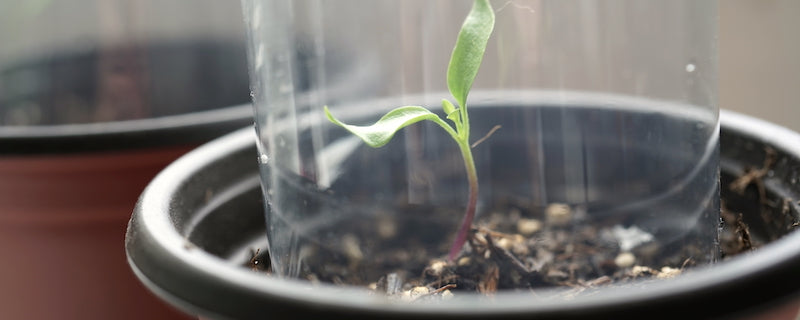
<point x="464" y="64"/>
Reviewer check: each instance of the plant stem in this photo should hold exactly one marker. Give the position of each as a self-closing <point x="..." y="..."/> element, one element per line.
<point x="472" y="176"/>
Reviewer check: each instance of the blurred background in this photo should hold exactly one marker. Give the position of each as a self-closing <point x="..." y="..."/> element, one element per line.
<point x="104" y="61"/>
<point x="91" y="56"/>
<point x="759" y="54"/>
<point x="85" y="61"/>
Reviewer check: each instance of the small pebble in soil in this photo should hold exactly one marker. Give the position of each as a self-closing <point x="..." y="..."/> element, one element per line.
<point x="641" y="271"/>
<point x="520" y="249"/>
<point x="414" y="293"/>
<point x="420" y="290"/>
<point x="351" y="247"/>
<point x="387" y="229"/>
<point x="667" y="272"/>
<point x="436" y="268"/>
<point x="528" y="227"/>
<point x="664" y="273"/>
<point x="504" y="243"/>
<point x="558" y="214"/>
<point x="447" y="295"/>
<point x="625" y="260"/>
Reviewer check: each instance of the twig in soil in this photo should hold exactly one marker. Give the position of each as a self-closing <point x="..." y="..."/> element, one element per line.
<point x="447" y="280"/>
<point x="744" y="234"/>
<point x="504" y="256"/>
<point x="254" y="262"/>
<point x="787" y="212"/>
<point x="754" y="176"/>
<point x="491" y="132"/>
<point x="488" y="284"/>
<point x="738" y="235"/>
<point x="498" y="234"/>
<point x="638" y="271"/>
<point x="686" y="262"/>
<point x="337" y="280"/>
<point x="440" y="290"/>
<point x="595" y="282"/>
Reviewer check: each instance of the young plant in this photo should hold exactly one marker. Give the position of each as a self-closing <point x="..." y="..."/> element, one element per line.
<point x="464" y="63"/>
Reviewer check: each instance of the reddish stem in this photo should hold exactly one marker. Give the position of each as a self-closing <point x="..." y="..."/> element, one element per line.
<point x="466" y="223"/>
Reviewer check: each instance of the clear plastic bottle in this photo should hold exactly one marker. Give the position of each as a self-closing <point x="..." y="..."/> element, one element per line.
<point x="607" y="110"/>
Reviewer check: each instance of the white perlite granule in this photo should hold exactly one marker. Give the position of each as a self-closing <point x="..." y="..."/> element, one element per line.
<point x="631" y="237"/>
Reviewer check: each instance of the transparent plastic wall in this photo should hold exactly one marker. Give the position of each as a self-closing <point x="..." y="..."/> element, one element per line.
<point x="607" y="111"/>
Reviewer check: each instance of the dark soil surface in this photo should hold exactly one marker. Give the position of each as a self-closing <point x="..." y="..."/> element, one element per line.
<point x="509" y="252"/>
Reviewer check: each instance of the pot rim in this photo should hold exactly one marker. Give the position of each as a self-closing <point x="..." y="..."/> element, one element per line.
<point x="158" y="254"/>
<point x="183" y="129"/>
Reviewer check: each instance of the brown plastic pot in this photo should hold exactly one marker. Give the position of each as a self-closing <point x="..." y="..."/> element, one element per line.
<point x="66" y="193"/>
<point x="68" y="185"/>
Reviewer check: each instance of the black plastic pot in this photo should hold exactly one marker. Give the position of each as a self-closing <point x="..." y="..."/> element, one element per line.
<point x="196" y="224"/>
<point x="123" y="82"/>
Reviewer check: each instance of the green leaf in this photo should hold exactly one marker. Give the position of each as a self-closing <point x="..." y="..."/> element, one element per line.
<point x="448" y="106"/>
<point x="379" y="134"/>
<point x="468" y="52"/>
<point x="452" y="113"/>
<point x="455" y="116"/>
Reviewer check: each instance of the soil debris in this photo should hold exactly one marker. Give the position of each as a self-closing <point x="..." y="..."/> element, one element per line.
<point x="516" y="248"/>
<point x="755" y="176"/>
